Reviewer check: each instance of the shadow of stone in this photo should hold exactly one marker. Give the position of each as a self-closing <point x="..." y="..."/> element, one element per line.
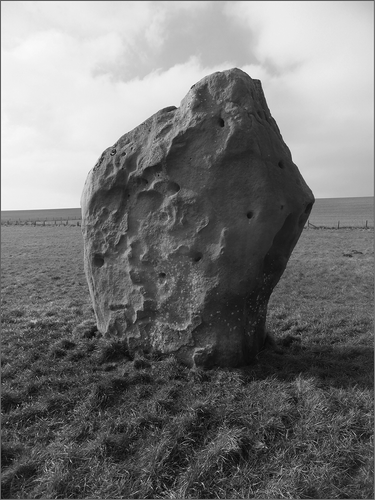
<point x="333" y="366"/>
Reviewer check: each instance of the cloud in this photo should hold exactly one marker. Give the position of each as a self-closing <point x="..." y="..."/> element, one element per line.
<point x="72" y="92"/>
<point x="78" y="75"/>
<point x="55" y="133"/>
<point x="79" y="19"/>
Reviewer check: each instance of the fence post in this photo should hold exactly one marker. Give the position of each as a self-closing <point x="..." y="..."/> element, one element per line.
<point x="366" y="224"/>
<point x="338" y="225"/>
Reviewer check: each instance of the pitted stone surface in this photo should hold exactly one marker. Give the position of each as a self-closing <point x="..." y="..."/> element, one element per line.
<point x="188" y="223"/>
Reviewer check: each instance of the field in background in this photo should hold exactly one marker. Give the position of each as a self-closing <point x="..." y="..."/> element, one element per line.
<point x="327" y="212"/>
<point x="58" y="214"/>
<point x="343" y="212"/>
<point x="81" y="419"/>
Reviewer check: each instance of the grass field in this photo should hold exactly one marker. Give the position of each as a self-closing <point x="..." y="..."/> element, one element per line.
<point x="80" y="419"/>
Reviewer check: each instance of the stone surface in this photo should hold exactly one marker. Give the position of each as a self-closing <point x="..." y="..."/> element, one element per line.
<point x="188" y="223"/>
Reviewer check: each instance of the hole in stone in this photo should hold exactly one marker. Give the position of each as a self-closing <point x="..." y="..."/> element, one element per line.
<point x="249" y="215"/>
<point x="150" y="172"/>
<point x="168" y="188"/>
<point x="145" y="315"/>
<point x="135" y="277"/>
<point x="259" y="114"/>
<point x="281" y="164"/>
<point x="197" y="256"/>
<point x="98" y="260"/>
<point x="163" y="216"/>
<point x="162" y="275"/>
<point x="173" y="187"/>
<point x="221" y="122"/>
<point x="308" y="208"/>
<point x="117" y="307"/>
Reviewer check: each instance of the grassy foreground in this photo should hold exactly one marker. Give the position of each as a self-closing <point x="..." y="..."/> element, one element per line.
<point x="80" y="419"/>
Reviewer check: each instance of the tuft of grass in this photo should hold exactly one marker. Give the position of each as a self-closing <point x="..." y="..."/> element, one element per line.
<point x="87" y="329"/>
<point x="9" y="401"/>
<point x="219" y="456"/>
<point x="140" y="364"/>
<point x="59" y="349"/>
<point x="118" y="446"/>
<point x="18" y="478"/>
<point x="10" y="453"/>
<point x="112" y="351"/>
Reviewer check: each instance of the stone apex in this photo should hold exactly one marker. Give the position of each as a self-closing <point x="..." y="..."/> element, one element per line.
<point x="222" y="78"/>
<point x="231" y="86"/>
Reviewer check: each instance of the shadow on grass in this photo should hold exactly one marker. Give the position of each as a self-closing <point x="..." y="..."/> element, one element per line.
<point x="340" y="367"/>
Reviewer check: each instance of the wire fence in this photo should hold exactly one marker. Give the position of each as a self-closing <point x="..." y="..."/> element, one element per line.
<point x="52" y="221"/>
<point x="334" y="223"/>
<point x="326" y="223"/>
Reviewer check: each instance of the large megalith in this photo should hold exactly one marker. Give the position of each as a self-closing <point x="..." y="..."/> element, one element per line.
<point x="188" y="223"/>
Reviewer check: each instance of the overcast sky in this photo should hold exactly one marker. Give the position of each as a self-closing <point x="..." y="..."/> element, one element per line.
<point x="78" y="75"/>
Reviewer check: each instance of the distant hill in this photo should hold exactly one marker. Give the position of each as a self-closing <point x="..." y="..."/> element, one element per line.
<point x="346" y="211"/>
<point x="51" y="214"/>
<point x="326" y="212"/>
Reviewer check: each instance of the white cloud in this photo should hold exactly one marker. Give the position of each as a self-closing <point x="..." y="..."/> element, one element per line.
<point x="78" y="75"/>
<point x="56" y="132"/>
<point x="80" y="19"/>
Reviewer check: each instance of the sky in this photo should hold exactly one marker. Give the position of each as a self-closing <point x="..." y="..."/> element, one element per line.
<point x="77" y="75"/>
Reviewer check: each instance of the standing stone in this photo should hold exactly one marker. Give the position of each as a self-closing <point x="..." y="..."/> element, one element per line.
<point x="188" y="223"/>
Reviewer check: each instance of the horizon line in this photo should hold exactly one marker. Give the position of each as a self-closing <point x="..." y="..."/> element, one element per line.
<point x="79" y="208"/>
